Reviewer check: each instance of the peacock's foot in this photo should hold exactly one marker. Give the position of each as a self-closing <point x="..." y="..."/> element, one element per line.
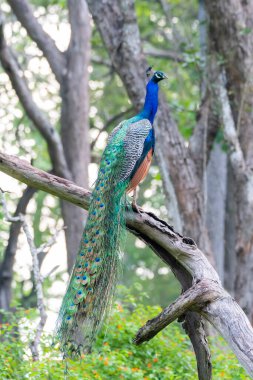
<point x="136" y="208"/>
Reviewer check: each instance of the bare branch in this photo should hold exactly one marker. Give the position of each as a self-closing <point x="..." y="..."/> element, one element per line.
<point x="46" y="44"/>
<point x="113" y="120"/>
<point x="230" y="133"/>
<point x="193" y="299"/>
<point x="6" y="267"/>
<point x="39" y="292"/>
<point x="180" y="253"/>
<point x="39" y="119"/>
<point x="7" y="215"/>
<point x="160" y="53"/>
<point x="50" y="272"/>
<point x="44" y="248"/>
<point x="23" y="171"/>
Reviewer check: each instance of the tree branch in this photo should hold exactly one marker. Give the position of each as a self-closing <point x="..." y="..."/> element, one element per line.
<point x="6" y="268"/>
<point x="39" y="291"/>
<point x="46" y="44"/>
<point x="160" y="53"/>
<point x="111" y="121"/>
<point x="230" y="133"/>
<point x="179" y="252"/>
<point x="193" y="299"/>
<point x="39" y="119"/>
<point x="23" y="171"/>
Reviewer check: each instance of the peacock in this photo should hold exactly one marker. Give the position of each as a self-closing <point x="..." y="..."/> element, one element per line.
<point x="124" y="164"/>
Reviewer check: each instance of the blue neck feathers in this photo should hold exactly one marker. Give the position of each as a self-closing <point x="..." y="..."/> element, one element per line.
<point x="151" y="102"/>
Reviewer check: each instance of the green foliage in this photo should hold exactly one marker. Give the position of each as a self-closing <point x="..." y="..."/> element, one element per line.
<point x="168" y="356"/>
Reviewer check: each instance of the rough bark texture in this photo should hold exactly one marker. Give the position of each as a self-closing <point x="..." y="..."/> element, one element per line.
<point x="230" y="233"/>
<point x="229" y="24"/>
<point x="181" y="253"/>
<point x="216" y="205"/>
<point x="75" y="118"/>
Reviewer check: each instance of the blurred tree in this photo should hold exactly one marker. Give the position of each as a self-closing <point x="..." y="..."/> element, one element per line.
<point x="231" y="35"/>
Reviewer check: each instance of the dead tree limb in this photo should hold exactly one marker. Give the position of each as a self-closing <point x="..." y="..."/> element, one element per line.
<point x="187" y="262"/>
<point x="194" y="298"/>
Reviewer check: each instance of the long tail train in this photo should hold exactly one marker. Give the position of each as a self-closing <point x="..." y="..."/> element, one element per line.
<point x="95" y="273"/>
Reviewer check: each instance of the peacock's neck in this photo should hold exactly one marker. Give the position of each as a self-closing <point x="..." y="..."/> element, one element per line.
<point x="151" y="102"/>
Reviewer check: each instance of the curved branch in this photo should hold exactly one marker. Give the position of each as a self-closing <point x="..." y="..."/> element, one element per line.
<point x="46" y="44"/>
<point x="26" y="173"/>
<point x="194" y="298"/>
<point x="179" y="252"/>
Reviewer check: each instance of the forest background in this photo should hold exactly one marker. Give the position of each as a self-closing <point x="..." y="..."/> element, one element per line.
<point x="57" y="110"/>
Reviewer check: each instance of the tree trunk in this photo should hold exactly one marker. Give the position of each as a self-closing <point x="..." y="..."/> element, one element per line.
<point x="229" y="24"/>
<point x="75" y="118"/>
<point x="230" y="233"/>
<point x="216" y="201"/>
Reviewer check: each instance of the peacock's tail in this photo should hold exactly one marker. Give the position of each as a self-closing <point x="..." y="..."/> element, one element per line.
<point x="94" y="276"/>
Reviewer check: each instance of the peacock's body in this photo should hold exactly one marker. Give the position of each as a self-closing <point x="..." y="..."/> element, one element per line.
<point x="125" y="162"/>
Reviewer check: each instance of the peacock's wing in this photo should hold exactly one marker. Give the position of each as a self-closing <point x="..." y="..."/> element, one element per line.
<point x="135" y="147"/>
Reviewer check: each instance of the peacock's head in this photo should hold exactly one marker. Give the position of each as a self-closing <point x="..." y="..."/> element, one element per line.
<point x="158" y="76"/>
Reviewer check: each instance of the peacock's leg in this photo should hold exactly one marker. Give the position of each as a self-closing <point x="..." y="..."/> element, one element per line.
<point x="134" y="204"/>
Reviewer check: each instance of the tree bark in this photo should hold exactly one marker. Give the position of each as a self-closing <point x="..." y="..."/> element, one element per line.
<point x="229" y="25"/>
<point x="230" y="233"/>
<point x="75" y="118"/>
<point x="216" y="205"/>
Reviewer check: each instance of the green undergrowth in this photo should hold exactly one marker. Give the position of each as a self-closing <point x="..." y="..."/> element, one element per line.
<point x="167" y="356"/>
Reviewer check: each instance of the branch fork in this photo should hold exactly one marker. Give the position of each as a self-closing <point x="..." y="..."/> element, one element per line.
<point x="193" y="299"/>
